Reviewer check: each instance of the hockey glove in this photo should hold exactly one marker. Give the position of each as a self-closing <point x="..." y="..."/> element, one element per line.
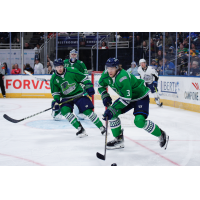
<point x="55" y="105"/>
<point x="110" y="112"/>
<point x="107" y="101"/>
<point x="90" y="91"/>
<point x="155" y="84"/>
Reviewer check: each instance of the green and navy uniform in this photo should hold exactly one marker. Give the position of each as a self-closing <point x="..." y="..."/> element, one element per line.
<point x="77" y="64"/>
<point x="67" y="86"/>
<point x="132" y="94"/>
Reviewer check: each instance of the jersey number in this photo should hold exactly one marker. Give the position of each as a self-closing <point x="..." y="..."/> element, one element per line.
<point x="128" y="91"/>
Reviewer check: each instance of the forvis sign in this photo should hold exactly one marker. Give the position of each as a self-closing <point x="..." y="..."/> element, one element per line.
<point x="27" y="86"/>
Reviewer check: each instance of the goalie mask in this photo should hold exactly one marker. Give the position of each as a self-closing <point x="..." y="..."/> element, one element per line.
<point x="73" y="54"/>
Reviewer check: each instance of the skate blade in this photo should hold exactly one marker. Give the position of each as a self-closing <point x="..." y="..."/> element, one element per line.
<point x="82" y="135"/>
<point x="167" y="139"/>
<point x="112" y="148"/>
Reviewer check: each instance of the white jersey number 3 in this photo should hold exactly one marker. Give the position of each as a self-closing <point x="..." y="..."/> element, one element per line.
<point x="128" y="91"/>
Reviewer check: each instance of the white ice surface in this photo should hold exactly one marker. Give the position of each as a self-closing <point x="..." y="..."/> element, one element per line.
<point x="42" y="141"/>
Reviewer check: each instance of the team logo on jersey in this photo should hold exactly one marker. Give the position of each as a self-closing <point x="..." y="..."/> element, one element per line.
<point x="67" y="65"/>
<point x="140" y="106"/>
<point x="57" y="80"/>
<point x="67" y="88"/>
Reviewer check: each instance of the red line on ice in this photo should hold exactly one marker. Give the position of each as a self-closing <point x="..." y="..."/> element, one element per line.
<point x="22" y="159"/>
<point x="152" y="151"/>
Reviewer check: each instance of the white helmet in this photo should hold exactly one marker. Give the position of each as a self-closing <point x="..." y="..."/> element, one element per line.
<point x="142" y="60"/>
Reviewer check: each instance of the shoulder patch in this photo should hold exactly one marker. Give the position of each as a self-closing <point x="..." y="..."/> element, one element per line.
<point x="123" y="78"/>
<point x="81" y="62"/>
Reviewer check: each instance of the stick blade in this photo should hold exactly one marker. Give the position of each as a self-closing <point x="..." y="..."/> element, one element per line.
<point x="11" y="119"/>
<point x="100" y="156"/>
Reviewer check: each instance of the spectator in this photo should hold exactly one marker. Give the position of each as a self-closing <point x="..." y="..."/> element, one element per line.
<point x="171" y="53"/>
<point x="37" y="49"/>
<point x="133" y="69"/>
<point x="138" y="41"/>
<point x="159" y="55"/>
<point x="168" y="40"/>
<point x="2" y="73"/>
<point x="153" y="47"/>
<point x="154" y="64"/>
<point x="103" y="46"/>
<point x="185" y="43"/>
<point x="169" y="67"/>
<point x="7" y="70"/>
<point x="182" y="49"/>
<point x="159" y="44"/>
<point x="38" y="68"/>
<point x="50" y="71"/>
<point x="27" y="46"/>
<point x="195" y="70"/>
<point x="16" y="69"/>
<point x="29" y="68"/>
<point x="4" y="36"/>
<point x="50" y="62"/>
<point x="193" y="51"/>
<point x="145" y="49"/>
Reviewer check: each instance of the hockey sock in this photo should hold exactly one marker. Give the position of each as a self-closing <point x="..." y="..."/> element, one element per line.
<point x="66" y="111"/>
<point x="93" y="117"/>
<point x="115" y="125"/>
<point x="147" y="125"/>
<point x="157" y="99"/>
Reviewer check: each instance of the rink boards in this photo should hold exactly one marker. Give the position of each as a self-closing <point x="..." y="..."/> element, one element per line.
<point x="179" y="92"/>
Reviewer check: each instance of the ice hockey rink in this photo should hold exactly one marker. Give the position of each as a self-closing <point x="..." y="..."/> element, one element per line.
<point x="41" y="141"/>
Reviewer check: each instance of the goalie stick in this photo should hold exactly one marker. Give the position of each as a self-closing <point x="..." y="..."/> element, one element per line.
<point x="38" y="79"/>
<point x="100" y="156"/>
<point x="16" y="121"/>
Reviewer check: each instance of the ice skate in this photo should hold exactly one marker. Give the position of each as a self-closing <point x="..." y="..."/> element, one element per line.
<point x="103" y="131"/>
<point x="81" y="132"/>
<point x="117" y="143"/>
<point x="163" y="139"/>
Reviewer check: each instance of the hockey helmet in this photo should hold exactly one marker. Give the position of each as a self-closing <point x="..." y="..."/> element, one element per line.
<point x="142" y="60"/>
<point x="58" y="62"/>
<point x="112" y="62"/>
<point x="73" y="51"/>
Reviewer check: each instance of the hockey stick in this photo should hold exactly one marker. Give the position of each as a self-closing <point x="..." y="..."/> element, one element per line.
<point x="100" y="156"/>
<point x="16" y="121"/>
<point x="38" y="79"/>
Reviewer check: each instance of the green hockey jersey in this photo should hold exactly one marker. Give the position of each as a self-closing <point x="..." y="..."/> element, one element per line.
<point x="77" y="64"/>
<point x="126" y="85"/>
<point x="68" y="85"/>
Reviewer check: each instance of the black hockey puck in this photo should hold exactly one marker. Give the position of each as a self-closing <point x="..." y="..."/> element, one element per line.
<point x="114" y="164"/>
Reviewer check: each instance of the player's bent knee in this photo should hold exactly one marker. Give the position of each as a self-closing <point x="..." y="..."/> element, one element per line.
<point x="65" y="110"/>
<point x="87" y="112"/>
<point x="139" y="121"/>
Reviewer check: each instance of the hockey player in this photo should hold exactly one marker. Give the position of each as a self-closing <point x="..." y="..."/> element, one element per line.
<point x="150" y="76"/>
<point x="65" y="85"/>
<point x="74" y="62"/>
<point x="133" y="94"/>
